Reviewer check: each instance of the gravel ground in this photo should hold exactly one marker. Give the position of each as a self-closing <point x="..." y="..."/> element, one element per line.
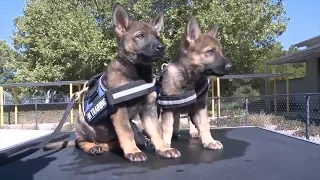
<point x="315" y="139"/>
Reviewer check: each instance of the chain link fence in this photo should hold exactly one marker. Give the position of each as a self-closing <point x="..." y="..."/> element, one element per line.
<point x="44" y="116"/>
<point x="297" y="115"/>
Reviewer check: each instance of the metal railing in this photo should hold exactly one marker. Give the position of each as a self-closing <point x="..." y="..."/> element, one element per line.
<point x="295" y="114"/>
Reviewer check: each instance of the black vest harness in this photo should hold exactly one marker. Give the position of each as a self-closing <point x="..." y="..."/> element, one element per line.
<point x="187" y="97"/>
<point x="99" y="103"/>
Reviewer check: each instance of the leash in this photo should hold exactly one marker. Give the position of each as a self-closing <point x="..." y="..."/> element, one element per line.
<point x="30" y="148"/>
<point x="6" y="158"/>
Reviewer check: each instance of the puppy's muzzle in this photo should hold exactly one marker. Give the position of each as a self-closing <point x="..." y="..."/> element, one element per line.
<point x="160" y="48"/>
<point x="228" y="67"/>
<point x="157" y="50"/>
<point x="152" y="52"/>
<point x="218" y="69"/>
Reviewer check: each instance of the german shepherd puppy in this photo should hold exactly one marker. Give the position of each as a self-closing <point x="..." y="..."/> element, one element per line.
<point x="139" y="46"/>
<point x="200" y="56"/>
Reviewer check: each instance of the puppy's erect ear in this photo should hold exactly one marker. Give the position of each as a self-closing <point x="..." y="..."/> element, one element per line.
<point x="157" y="22"/>
<point x="193" y="30"/>
<point x="214" y="30"/>
<point x="120" y="19"/>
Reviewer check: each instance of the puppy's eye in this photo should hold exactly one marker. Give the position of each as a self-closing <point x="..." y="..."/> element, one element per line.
<point x="139" y="35"/>
<point x="211" y="50"/>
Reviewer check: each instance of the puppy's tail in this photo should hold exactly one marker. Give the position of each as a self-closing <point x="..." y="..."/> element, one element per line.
<point x="59" y="145"/>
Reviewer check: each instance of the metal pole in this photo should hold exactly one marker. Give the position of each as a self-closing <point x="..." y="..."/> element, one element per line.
<point x="275" y="93"/>
<point x="218" y="113"/>
<point x="9" y="117"/>
<point x="246" y="101"/>
<point x="288" y="91"/>
<point x="266" y="86"/>
<point x="218" y="94"/>
<point x="308" y="117"/>
<point x="36" y="114"/>
<point x="15" y="93"/>
<point x="266" y="79"/>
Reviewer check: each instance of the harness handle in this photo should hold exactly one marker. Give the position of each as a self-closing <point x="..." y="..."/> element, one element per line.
<point x="77" y="94"/>
<point x="163" y="65"/>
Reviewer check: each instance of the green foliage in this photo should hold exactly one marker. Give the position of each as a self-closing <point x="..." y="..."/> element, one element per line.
<point x="297" y="69"/>
<point x="74" y="39"/>
<point x="7" y="56"/>
<point x="60" y="41"/>
<point x="251" y="87"/>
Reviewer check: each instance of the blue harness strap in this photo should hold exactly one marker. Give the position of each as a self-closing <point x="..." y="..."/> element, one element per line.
<point x="99" y="103"/>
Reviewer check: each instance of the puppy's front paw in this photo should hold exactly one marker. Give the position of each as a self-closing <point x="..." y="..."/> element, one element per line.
<point x="169" y="153"/>
<point x="136" y="156"/>
<point x="214" y="145"/>
<point x="96" y="150"/>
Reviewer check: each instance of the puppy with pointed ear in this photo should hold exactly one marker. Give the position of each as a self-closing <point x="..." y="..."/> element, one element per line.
<point x="120" y="19"/>
<point x="214" y="30"/>
<point x="157" y="22"/>
<point x="141" y="41"/>
<point x="139" y="45"/>
<point x="193" y="30"/>
<point x="201" y="56"/>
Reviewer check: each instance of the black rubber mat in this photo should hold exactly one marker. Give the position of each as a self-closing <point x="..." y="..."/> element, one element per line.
<point x="249" y="154"/>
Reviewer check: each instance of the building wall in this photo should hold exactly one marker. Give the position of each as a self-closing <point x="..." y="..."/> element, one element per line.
<point x="308" y="84"/>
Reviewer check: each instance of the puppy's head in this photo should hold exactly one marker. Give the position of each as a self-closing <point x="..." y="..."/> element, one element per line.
<point x="138" y="41"/>
<point x="204" y="51"/>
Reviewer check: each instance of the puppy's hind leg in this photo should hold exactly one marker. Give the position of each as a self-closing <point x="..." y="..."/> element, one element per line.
<point x="90" y="148"/>
<point x="193" y="131"/>
<point x="95" y="148"/>
<point x="176" y="126"/>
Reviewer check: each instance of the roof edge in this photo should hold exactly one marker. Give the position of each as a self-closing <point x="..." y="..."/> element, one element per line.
<point x="308" y="41"/>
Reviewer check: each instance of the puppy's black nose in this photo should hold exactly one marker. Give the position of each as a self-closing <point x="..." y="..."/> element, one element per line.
<point x="228" y="67"/>
<point x="160" y="48"/>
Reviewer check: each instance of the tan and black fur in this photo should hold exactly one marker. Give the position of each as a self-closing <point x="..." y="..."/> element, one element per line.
<point x="200" y="56"/>
<point x="139" y="46"/>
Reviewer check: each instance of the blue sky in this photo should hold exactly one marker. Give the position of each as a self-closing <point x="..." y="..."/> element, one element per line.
<point x="303" y="24"/>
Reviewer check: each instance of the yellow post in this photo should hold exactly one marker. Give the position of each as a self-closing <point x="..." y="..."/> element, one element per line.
<point x="218" y="95"/>
<point x="15" y="94"/>
<point x="274" y="93"/>
<point x="71" y="112"/>
<point x="287" y="90"/>
<point x="1" y="106"/>
<point x="212" y="96"/>
<point x="79" y="100"/>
